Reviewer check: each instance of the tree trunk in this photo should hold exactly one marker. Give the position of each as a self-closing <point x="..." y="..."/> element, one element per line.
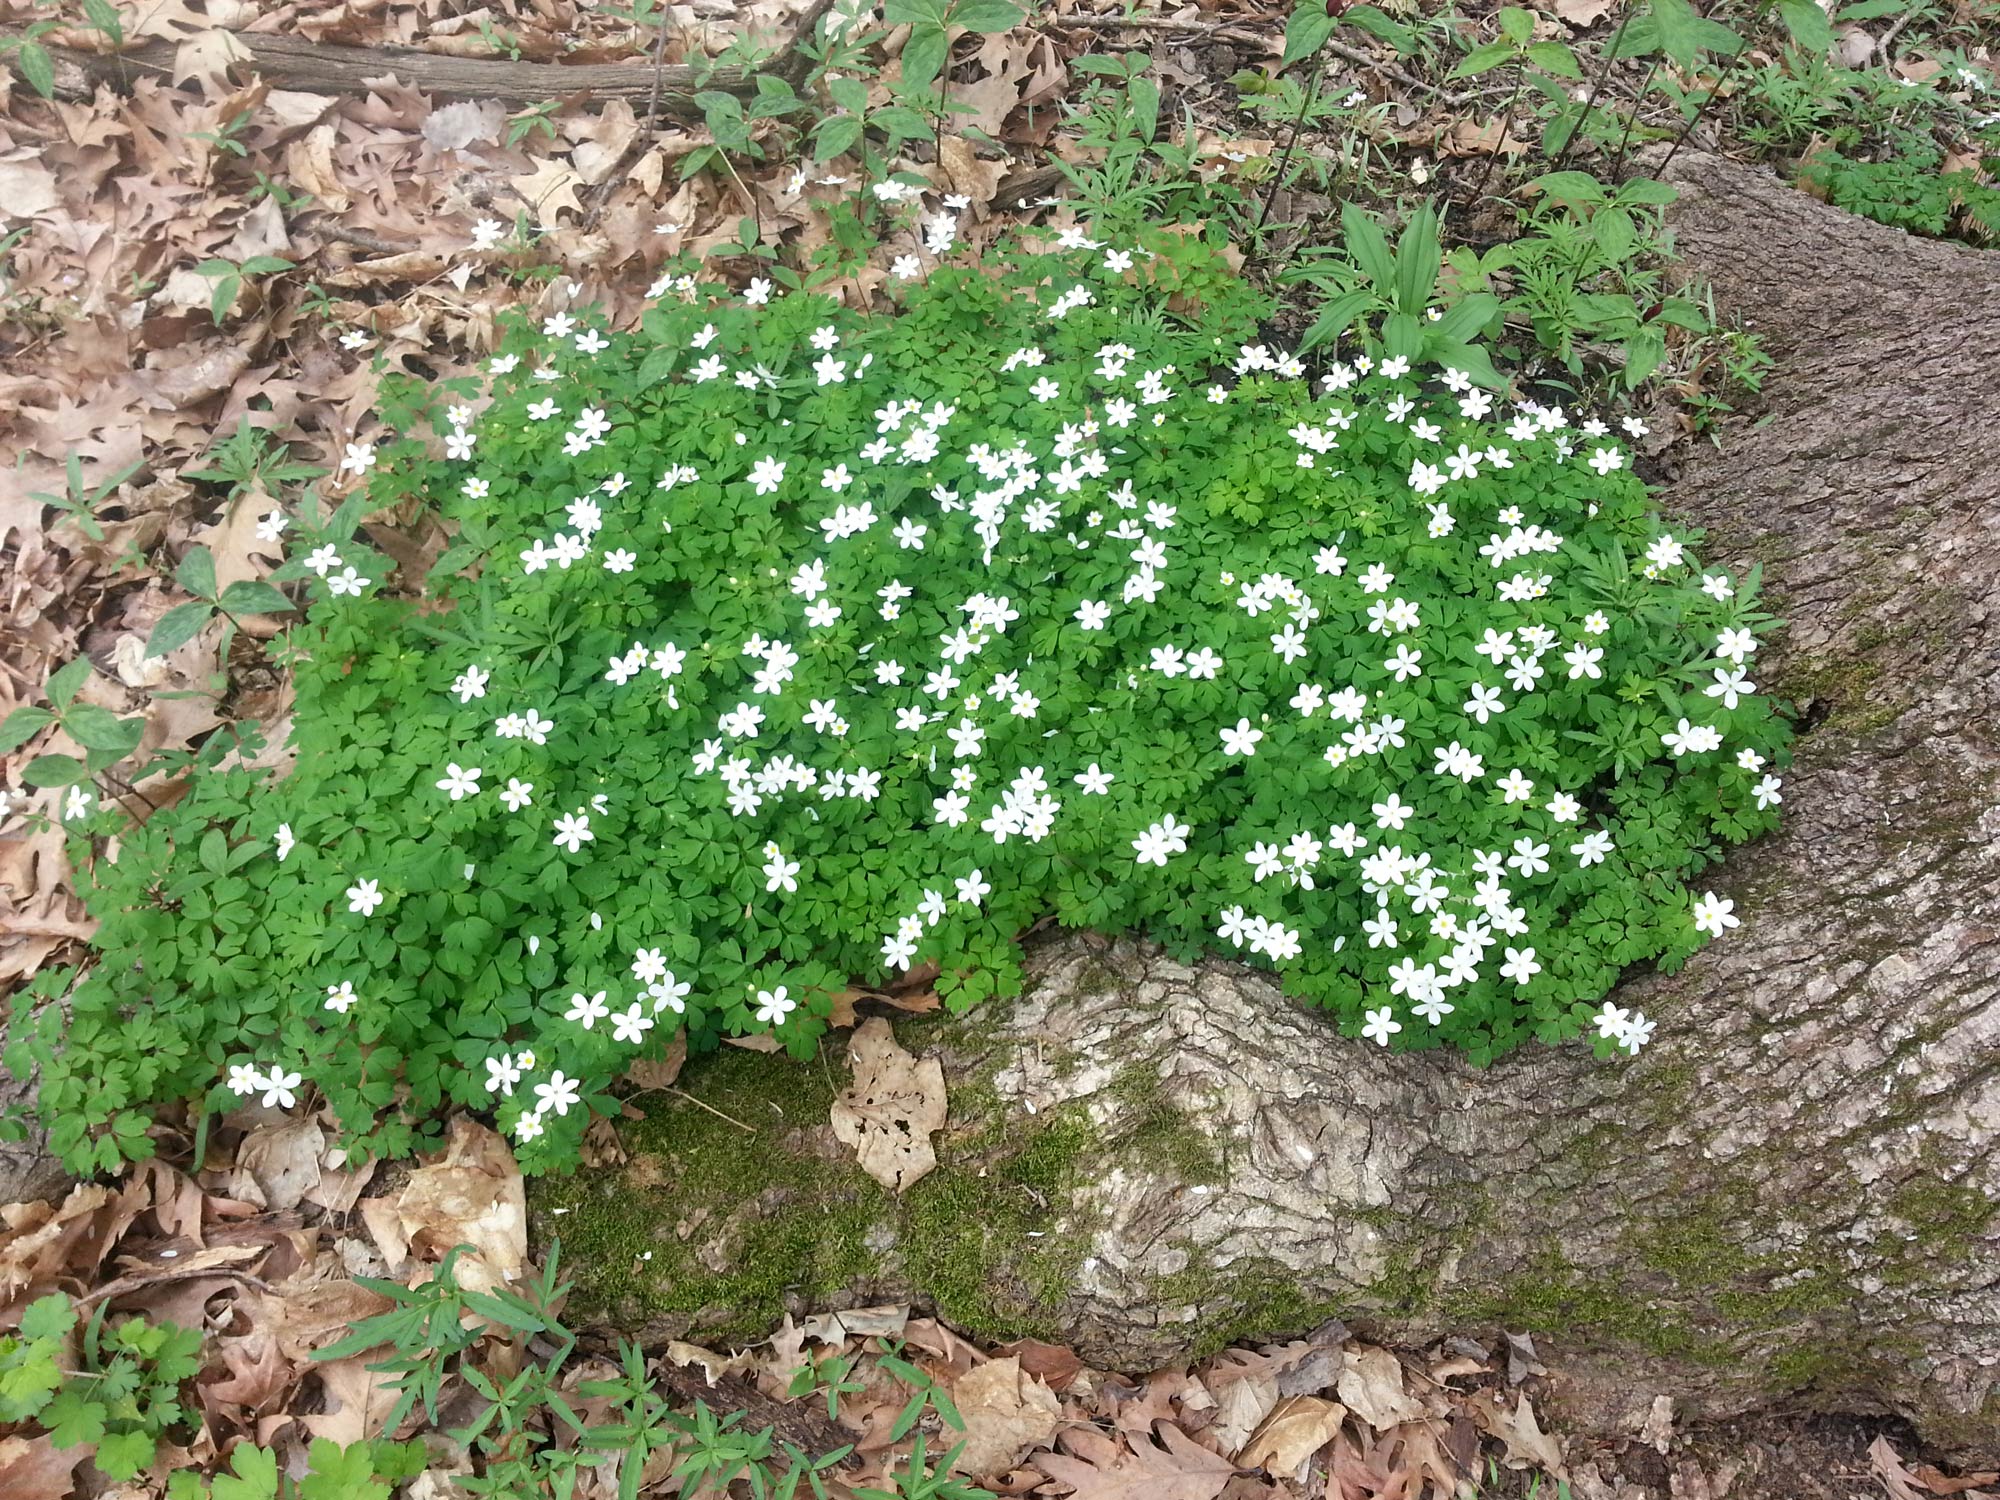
<point x="1791" y="1194"/>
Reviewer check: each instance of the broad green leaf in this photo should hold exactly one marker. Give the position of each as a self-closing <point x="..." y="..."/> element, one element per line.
<point x="1556" y="58"/>
<point x="196" y="573"/>
<point x="1808" y="25"/>
<point x="1570" y="187"/>
<point x="1418" y="260"/>
<point x="851" y="94"/>
<point x="72" y="1419"/>
<point x="1463" y="320"/>
<point x="1403" y="335"/>
<point x="986" y="15"/>
<point x="49" y="1317"/>
<point x="1643" y="353"/>
<point x="1336" y="316"/>
<point x="832" y="136"/>
<point x="1484" y="59"/>
<point x="254" y="1475"/>
<point x="1383" y="27"/>
<point x="1679" y="30"/>
<point x="97" y="728"/>
<point x="1614" y="232"/>
<point x="1306" y="30"/>
<point x="1368" y="246"/>
<point x="253" y="596"/>
<point x="1647" y="190"/>
<point x="53" y="770"/>
<point x="68" y="680"/>
<point x="38" y="68"/>
<point x="263" y="265"/>
<point x="1145" y="96"/>
<point x="924" y="55"/>
<point x="1472" y="359"/>
<point x="122" y="1455"/>
<point x="178" y="626"/>
<point x="1516" y="25"/>
<point x="22" y="725"/>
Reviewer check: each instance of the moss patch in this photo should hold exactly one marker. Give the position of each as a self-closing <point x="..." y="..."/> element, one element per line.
<point x="736" y="1207"/>
<point x="718" y="1218"/>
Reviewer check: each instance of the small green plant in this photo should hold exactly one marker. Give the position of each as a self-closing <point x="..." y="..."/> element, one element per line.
<point x="1589" y="272"/>
<point x="105" y="738"/>
<point x="32" y="57"/>
<point x="358" y="1471"/>
<point x="228" y="277"/>
<point x="535" y="120"/>
<point x="123" y="1394"/>
<point x="250" y="459"/>
<point x="79" y="499"/>
<point x="196" y="574"/>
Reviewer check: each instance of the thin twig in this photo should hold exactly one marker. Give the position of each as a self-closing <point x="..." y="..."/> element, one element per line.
<point x="1223" y="31"/>
<point x="699" y="1104"/>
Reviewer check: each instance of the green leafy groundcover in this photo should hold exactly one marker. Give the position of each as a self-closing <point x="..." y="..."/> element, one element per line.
<point x="784" y="646"/>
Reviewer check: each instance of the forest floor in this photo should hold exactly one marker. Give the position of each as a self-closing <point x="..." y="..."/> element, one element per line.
<point x="140" y="367"/>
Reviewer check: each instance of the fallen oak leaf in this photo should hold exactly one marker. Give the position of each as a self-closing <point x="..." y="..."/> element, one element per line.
<point x="1168" y="1466"/>
<point x="1527" y="1445"/>
<point x="1940" y="1483"/>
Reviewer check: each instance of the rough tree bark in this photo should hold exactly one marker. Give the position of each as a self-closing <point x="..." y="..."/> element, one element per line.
<point x="1791" y="1194"/>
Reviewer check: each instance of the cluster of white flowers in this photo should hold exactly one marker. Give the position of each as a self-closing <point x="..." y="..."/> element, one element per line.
<point x="776" y="707"/>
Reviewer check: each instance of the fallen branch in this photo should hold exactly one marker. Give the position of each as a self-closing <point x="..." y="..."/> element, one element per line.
<point x="1224" y="32"/>
<point x="291" y="62"/>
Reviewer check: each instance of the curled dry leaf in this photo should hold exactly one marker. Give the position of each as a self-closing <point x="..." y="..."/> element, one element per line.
<point x="894" y="1105"/>
<point x="474" y="1197"/>
<point x="1371" y="1383"/>
<point x="1297" y="1428"/>
<point x="1006" y="1412"/>
<point x="856" y="1323"/>
<point x="278" y="1165"/>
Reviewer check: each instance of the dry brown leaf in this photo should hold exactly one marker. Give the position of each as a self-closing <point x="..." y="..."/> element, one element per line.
<point x="474" y="1197"/>
<point x="1940" y="1483"/>
<point x="1371" y="1384"/>
<point x="1527" y="1445"/>
<point x="208" y="56"/>
<point x="1175" y="1467"/>
<point x="1052" y="1364"/>
<point x="456" y="126"/>
<point x="1241" y="1405"/>
<point x="26" y="186"/>
<point x="304" y="1315"/>
<point x="1006" y="1413"/>
<point x="549" y="189"/>
<point x="1887" y="1467"/>
<point x="358" y="1400"/>
<point x="894" y="1105"/>
<point x="1297" y="1428"/>
<point x="32" y="1469"/>
<point x="1469" y="139"/>
<point x="1582" y="12"/>
<point x="279" y="1164"/>
<point x="856" y="1323"/>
